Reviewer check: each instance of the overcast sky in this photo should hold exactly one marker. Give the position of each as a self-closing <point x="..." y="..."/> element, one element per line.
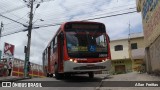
<point x="58" y="11"/>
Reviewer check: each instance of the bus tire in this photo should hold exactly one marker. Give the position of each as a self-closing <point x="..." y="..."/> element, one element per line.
<point x="57" y="75"/>
<point x="51" y="75"/>
<point x="91" y="75"/>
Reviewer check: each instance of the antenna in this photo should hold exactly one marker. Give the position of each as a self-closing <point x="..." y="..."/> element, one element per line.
<point x="129" y="40"/>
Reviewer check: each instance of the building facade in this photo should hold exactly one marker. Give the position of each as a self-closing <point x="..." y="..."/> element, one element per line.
<point x="137" y="50"/>
<point x="127" y="54"/>
<point x="150" y="10"/>
<point x="121" y="63"/>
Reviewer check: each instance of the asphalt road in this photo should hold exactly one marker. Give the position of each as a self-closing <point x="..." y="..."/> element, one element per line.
<point x="73" y="81"/>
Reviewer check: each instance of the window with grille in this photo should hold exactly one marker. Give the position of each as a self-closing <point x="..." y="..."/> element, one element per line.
<point x="118" y="47"/>
<point x="134" y="46"/>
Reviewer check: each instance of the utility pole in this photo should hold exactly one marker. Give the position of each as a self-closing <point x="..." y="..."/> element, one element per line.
<point x="1" y="29"/>
<point x="27" y="53"/>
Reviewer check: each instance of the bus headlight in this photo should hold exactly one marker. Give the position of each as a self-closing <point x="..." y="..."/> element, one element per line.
<point x="103" y="60"/>
<point x="71" y="60"/>
<point x="75" y="61"/>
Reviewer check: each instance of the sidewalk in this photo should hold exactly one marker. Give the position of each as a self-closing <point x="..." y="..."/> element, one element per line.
<point x="11" y="78"/>
<point x="142" y="78"/>
<point x="134" y="76"/>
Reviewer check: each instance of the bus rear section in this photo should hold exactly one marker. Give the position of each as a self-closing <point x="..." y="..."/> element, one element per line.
<point x="83" y="47"/>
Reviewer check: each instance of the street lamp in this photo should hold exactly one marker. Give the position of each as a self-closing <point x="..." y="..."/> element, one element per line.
<point x="37" y="20"/>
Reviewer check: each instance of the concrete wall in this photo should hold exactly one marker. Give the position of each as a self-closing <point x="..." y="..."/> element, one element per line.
<point x="119" y="54"/>
<point x="139" y="41"/>
<point x="138" y="53"/>
<point x="127" y="63"/>
<point x="155" y="55"/>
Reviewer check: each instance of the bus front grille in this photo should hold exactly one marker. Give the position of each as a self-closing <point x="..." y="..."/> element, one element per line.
<point x="89" y="67"/>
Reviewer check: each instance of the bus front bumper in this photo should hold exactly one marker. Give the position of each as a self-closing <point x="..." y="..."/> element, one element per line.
<point x="70" y="66"/>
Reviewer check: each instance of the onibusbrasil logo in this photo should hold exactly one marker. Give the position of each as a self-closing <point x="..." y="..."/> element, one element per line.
<point x="20" y="84"/>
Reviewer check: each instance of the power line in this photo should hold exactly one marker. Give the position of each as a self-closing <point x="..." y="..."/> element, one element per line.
<point x="14" y="32"/>
<point x="8" y="11"/>
<point x="13" y="20"/>
<point x="97" y="15"/>
<point x="111" y="15"/>
<point x="12" y="13"/>
<point x="90" y="19"/>
<point x="71" y="10"/>
<point x="85" y="4"/>
<point x="14" y="9"/>
<point x="23" y="6"/>
<point x="101" y="14"/>
<point x="16" y="20"/>
<point x="61" y="23"/>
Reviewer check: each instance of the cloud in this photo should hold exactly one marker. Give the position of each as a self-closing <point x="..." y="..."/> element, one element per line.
<point x="118" y="26"/>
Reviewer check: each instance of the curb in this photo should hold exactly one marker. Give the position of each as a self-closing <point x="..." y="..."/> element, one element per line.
<point x="13" y="79"/>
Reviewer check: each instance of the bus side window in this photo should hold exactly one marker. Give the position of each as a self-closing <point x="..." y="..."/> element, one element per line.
<point x="55" y="44"/>
<point x="108" y="38"/>
<point x="56" y="40"/>
<point x="51" y="47"/>
<point x="46" y="59"/>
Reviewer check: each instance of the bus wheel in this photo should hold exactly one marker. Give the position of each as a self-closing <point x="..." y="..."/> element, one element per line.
<point x="91" y="75"/>
<point x="57" y="75"/>
<point x="51" y="75"/>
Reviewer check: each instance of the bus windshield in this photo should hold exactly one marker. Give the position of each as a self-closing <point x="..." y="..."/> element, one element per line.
<point x="86" y="43"/>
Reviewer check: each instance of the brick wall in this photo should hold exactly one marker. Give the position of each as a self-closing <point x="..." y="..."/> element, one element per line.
<point x="150" y="10"/>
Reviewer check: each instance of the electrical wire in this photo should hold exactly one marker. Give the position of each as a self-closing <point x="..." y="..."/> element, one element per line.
<point x="16" y="20"/>
<point x="13" y="20"/>
<point x="50" y="24"/>
<point x="13" y="33"/>
<point x="53" y="0"/>
<point x="16" y="16"/>
<point x="77" y="11"/>
<point x="82" y="20"/>
<point x="55" y="13"/>
<point x="102" y="14"/>
<point x="110" y="15"/>
<point x="21" y="7"/>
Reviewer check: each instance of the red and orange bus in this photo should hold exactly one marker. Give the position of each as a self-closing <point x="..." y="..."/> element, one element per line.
<point x="77" y="47"/>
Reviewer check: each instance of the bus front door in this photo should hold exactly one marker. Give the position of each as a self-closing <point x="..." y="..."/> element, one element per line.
<point x="60" y="53"/>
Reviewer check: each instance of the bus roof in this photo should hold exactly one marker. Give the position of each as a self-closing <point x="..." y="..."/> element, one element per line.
<point x="80" y="22"/>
